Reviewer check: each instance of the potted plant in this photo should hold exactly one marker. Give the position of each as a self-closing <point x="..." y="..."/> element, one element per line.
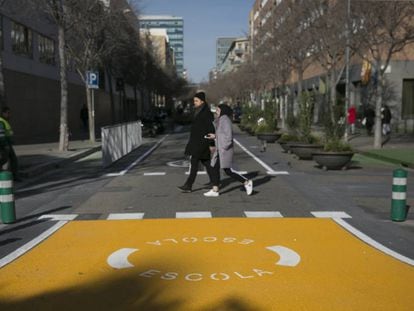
<point x="266" y="128"/>
<point x="336" y="153"/>
<point x="308" y="143"/>
<point x="286" y="139"/>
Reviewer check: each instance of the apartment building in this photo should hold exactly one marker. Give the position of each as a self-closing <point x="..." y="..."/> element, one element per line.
<point x="174" y="26"/>
<point x="32" y="83"/>
<point x="237" y="54"/>
<point x="222" y="47"/>
<point x="400" y="73"/>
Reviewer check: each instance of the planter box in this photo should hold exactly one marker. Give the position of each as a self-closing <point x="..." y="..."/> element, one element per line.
<point x="333" y="160"/>
<point x="305" y="151"/>
<point x="269" y="137"/>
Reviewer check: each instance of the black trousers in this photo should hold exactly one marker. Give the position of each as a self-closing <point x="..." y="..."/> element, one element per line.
<point x="229" y="172"/>
<point x="213" y="174"/>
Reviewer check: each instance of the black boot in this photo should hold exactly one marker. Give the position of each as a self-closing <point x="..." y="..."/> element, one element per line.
<point x="185" y="188"/>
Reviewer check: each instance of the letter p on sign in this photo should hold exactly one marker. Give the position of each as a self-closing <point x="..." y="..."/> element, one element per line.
<point x="92" y="79"/>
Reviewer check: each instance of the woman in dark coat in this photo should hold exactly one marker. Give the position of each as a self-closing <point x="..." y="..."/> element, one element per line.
<point x="198" y="147"/>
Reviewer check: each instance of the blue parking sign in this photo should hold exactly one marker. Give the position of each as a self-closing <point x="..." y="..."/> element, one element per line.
<point x="92" y="79"/>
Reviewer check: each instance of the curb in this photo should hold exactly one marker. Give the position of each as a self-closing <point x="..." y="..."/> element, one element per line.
<point x="37" y="170"/>
<point x="386" y="159"/>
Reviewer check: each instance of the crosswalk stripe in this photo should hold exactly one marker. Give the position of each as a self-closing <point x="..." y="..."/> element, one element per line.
<point x="155" y="174"/>
<point x="263" y="214"/>
<point x="330" y="214"/>
<point x="203" y="214"/>
<point x="193" y="215"/>
<point x="125" y="216"/>
<point x="198" y="173"/>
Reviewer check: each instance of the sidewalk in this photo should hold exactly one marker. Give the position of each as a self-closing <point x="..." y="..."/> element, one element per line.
<point x="399" y="149"/>
<point x="40" y="158"/>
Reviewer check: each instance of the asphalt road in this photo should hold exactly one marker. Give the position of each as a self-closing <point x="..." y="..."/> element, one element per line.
<point x="284" y="188"/>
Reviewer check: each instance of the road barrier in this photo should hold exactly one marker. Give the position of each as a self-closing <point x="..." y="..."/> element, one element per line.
<point x="8" y="213"/>
<point x="119" y="140"/>
<point x="399" y="195"/>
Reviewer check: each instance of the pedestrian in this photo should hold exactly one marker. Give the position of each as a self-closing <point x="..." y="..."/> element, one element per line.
<point x="6" y="128"/>
<point x="198" y="147"/>
<point x="352" y="118"/>
<point x="223" y="154"/>
<point x="84" y="116"/>
<point x="386" y="120"/>
<point x="369" y="119"/>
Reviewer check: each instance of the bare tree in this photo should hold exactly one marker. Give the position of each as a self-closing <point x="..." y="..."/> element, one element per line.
<point x="382" y="28"/>
<point x="56" y="10"/>
<point x="327" y="28"/>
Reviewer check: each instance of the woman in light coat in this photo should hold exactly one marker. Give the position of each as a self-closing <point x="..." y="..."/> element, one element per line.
<point x="223" y="154"/>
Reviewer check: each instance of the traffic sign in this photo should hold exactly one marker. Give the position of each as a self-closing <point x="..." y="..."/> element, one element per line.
<point x="92" y="79"/>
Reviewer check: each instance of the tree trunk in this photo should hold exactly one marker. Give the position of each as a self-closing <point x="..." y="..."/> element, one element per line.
<point x="378" y="125"/>
<point x="64" y="131"/>
<point x="332" y="97"/>
<point x="91" y="114"/>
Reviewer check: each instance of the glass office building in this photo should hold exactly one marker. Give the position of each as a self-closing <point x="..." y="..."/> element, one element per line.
<point x="175" y="31"/>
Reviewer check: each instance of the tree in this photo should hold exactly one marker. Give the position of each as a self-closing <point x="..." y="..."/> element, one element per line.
<point x="382" y="29"/>
<point x="56" y="10"/>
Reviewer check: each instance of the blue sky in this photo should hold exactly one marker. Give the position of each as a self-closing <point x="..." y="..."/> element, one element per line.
<point x="204" y="22"/>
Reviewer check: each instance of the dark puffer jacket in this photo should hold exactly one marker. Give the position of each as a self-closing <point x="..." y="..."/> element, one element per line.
<point x="197" y="145"/>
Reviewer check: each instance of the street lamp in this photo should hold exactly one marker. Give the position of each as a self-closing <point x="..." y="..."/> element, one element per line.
<point x="347" y="105"/>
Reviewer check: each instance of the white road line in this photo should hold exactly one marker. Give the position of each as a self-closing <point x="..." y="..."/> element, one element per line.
<point x="155" y="174"/>
<point x="198" y="173"/>
<point x="263" y="214"/>
<point x="330" y="215"/>
<point x="58" y="217"/>
<point x="137" y="161"/>
<point x="193" y="215"/>
<point x="28" y="246"/>
<point x="372" y="242"/>
<point x="125" y="216"/>
<point x="268" y="169"/>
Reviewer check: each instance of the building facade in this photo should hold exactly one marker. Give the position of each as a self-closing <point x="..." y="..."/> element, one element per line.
<point x="237" y="54"/>
<point x="175" y="30"/>
<point x="30" y="62"/>
<point x="222" y="47"/>
<point x="399" y="75"/>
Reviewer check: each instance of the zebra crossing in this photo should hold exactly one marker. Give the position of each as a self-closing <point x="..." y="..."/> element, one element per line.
<point x="195" y="215"/>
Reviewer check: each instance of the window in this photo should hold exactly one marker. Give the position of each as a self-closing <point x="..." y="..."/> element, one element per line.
<point x="46" y="50"/>
<point x="21" y="39"/>
<point x="408" y="99"/>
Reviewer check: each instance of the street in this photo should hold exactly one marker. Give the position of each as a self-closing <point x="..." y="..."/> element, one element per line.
<point x="126" y="238"/>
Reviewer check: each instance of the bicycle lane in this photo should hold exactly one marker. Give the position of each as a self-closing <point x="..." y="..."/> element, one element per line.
<point x="205" y="264"/>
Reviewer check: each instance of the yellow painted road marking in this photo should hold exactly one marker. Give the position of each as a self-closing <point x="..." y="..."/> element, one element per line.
<point x="206" y="264"/>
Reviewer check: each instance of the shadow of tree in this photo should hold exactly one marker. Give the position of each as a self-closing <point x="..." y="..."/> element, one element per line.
<point x="126" y="292"/>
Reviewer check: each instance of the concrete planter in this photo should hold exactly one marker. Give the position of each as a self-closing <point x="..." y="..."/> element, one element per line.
<point x="269" y="137"/>
<point x="331" y="160"/>
<point x="305" y="151"/>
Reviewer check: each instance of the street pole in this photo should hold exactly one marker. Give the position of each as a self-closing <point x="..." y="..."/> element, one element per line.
<point x="347" y="82"/>
<point x="347" y="90"/>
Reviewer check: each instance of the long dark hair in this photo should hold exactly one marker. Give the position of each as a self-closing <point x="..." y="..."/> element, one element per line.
<point x="225" y="110"/>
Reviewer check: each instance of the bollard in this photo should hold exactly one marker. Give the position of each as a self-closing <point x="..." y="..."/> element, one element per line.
<point x="8" y="213"/>
<point x="399" y="195"/>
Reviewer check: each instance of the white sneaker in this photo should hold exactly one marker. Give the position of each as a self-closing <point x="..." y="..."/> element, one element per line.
<point x="249" y="187"/>
<point x="211" y="193"/>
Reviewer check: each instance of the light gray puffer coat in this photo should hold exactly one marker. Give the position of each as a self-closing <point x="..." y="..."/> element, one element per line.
<point x="224" y="142"/>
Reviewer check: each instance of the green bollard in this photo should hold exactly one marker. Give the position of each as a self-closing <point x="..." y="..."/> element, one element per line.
<point x="399" y="195"/>
<point x="8" y="213"/>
